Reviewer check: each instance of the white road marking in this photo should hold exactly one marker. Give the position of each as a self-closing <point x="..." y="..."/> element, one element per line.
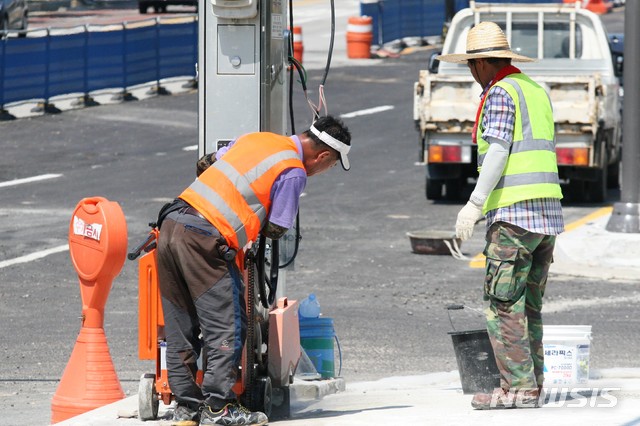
<point x="190" y="148"/>
<point x="29" y="179"/>
<point x="150" y="121"/>
<point x="398" y="216"/>
<point x="368" y="111"/>
<point x="569" y="305"/>
<point x="33" y="256"/>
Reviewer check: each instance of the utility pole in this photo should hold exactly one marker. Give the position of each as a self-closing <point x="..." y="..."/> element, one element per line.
<point x="626" y="213"/>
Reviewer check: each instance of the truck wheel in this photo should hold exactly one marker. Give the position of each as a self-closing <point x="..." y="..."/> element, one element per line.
<point x="434" y="189"/>
<point x="613" y="175"/>
<point x="453" y="189"/>
<point x="597" y="189"/>
<point x="576" y="190"/>
<point x="147" y="398"/>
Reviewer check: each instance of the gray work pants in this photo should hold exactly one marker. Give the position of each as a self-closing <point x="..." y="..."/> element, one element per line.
<point x="201" y="294"/>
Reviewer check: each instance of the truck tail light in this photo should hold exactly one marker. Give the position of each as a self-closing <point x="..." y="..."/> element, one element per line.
<point x="573" y="156"/>
<point x="445" y="154"/>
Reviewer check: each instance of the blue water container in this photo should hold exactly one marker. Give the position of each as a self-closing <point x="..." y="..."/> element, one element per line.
<point x="316" y="337"/>
<point x="309" y="307"/>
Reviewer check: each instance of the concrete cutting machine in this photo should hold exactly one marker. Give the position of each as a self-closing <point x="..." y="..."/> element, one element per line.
<point x="271" y="351"/>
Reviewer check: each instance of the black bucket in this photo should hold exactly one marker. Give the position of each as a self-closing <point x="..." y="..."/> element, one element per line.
<point x="476" y="362"/>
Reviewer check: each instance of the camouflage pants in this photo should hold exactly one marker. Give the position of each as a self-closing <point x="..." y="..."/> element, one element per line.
<point x="517" y="265"/>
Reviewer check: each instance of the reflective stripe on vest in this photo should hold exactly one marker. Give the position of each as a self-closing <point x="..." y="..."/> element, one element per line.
<point x="531" y="170"/>
<point x="234" y="193"/>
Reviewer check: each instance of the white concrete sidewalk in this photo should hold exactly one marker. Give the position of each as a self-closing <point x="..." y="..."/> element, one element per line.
<point x="589" y="250"/>
<point x="611" y="397"/>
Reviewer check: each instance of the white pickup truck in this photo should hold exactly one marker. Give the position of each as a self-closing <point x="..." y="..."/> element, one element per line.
<point x="574" y="64"/>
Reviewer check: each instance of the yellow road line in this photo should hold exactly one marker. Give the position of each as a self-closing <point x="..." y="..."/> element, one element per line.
<point x="478" y="260"/>
<point x="588" y="218"/>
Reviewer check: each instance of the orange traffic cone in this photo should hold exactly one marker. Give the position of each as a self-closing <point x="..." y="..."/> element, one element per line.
<point x="298" y="47"/>
<point x="98" y="246"/>
<point x="89" y="381"/>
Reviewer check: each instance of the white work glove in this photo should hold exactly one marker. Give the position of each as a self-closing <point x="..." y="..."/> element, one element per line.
<point x="467" y="218"/>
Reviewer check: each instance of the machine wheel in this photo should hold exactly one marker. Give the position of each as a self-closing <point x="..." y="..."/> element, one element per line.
<point x="263" y="395"/>
<point x="147" y="398"/>
<point x="434" y="189"/>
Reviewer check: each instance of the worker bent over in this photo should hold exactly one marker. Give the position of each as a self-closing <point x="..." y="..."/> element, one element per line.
<point x="252" y="186"/>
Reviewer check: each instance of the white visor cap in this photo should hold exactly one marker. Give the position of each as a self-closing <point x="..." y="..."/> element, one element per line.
<point x="334" y="143"/>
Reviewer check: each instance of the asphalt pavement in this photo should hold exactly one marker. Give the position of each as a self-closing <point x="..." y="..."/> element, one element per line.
<point x="586" y="250"/>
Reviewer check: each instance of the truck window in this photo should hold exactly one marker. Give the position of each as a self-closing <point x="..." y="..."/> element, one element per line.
<point x="524" y="39"/>
<point x="556" y="38"/>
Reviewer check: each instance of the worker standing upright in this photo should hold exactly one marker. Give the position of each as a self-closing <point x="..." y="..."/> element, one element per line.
<point x="518" y="190"/>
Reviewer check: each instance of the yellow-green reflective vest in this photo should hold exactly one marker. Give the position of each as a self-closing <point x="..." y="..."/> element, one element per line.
<point x="532" y="170"/>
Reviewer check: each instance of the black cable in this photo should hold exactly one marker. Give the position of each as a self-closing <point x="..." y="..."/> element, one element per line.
<point x="333" y="35"/>
<point x="297" y="244"/>
<point x="290" y="56"/>
<point x="272" y="283"/>
<point x="260" y="267"/>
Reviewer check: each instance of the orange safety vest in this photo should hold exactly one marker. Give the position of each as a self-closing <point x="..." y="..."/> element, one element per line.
<point x="234" y="193"/>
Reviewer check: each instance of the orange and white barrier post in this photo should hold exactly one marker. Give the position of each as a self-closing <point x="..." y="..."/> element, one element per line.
<point x="98" y="247"/>
<point x="298" y="47"/>
<point x="359" y="37"/>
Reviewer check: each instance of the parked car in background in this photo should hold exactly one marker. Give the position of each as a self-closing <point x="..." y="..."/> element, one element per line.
<point x="616" y="44"/>
<point x="160" y="6"/>
<point x="13" y="16"/>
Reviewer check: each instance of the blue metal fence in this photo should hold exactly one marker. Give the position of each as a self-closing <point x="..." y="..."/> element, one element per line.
<point x="42" y="67"/>
<point x="397" y="19"/>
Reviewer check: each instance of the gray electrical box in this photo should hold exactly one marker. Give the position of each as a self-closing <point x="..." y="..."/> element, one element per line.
<point x="236" y="50"/>
<point x="242" y="70"/>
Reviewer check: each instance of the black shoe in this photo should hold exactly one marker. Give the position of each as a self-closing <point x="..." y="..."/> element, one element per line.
<point x="185" y="416"/>
<point x="232" y="414"/>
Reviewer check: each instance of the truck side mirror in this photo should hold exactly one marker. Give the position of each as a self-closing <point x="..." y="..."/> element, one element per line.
<point x="434" y="63"/>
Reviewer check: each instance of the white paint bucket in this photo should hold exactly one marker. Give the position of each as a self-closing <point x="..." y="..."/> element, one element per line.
<point x="566" y="354"/>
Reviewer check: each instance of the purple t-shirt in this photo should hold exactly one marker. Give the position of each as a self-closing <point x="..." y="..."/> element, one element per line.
<point x="286" y="190"/>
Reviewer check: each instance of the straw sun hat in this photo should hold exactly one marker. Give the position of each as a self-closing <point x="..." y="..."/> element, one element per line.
<point x="485" y="40"/>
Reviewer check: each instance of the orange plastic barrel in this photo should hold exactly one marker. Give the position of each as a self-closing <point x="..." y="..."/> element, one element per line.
<point x="298" y="48"/>
<point x="359" y="37"/>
